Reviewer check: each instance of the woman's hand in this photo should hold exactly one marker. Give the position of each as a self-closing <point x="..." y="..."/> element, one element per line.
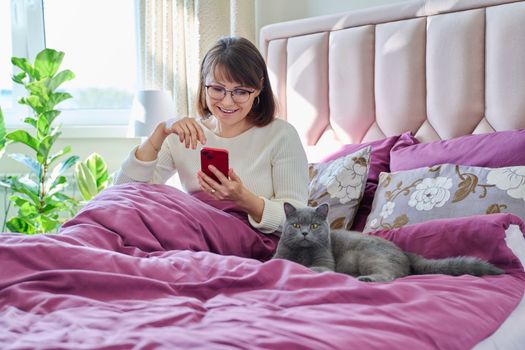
<point x="188" y="130"/>
<point x="231" y="188"/>
<point x="228" y="188"/>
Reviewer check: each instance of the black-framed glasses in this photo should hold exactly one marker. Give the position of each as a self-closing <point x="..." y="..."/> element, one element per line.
<point x="238" y="95"/>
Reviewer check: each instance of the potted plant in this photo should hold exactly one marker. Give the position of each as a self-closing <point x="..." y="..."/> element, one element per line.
<point x="38" y="195"/>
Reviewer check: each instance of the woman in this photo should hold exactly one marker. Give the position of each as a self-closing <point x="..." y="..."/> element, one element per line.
<point x="268" y="165"/>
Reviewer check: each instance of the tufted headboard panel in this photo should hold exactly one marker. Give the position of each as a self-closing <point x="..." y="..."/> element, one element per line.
<point x="439" y="68"/>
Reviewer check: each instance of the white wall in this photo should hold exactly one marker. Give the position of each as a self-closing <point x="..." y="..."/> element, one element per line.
<point x="113" y="150"/>
<point x="326" y="7"/>
<point x="273" y="11"/>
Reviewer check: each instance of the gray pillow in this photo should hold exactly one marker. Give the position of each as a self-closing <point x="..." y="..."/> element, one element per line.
<point x="446" y="191"/>
<point x="340" y="183"/>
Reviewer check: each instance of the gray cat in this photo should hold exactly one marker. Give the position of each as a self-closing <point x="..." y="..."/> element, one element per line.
<point x="308" y="240"/>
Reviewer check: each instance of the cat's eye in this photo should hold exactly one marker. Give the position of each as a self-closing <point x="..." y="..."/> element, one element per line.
<point x="314" y="226"/>
<point x="296" y="225"/>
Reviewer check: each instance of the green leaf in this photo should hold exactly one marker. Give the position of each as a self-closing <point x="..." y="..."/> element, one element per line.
<point x="92" y="176"/>
<point x="42" y="127"/>
<point x="51" y="115"/>
<point x="3" y="139"/>
<point x="39" y="88"/>
<point x="7" y="181"/>
<point x="34" y="102"/>
<point x="54" y="204"/>
<point x="21" y="225"/>
<point x="86" y="181"/>
<point x="19" y="78"/>
<point x="59" y="154"/>
<point x="29" y="162"/>
<point x="59" y="170"/>
<point x="21" y="186"/>
<point x="19" y="201"/>
<point x="98" y="168"/>
<point x="50" y="208"/>
<point x="28" y="210"/>
<point x="64" y="198"/>
<point x="49" y="224"/>
<point x="57" y="97"/>
<point x="60" y="78"/>
<point x="48" y="61"/>
<point x="26" y="181"/>
<point x="65" y="203"/>
<point x="23" y="64"/>
<point x="30" y="121"/>
<point x="45" y="146"/>
<point x="24" y="137"/>
<point x="56" y="186"/>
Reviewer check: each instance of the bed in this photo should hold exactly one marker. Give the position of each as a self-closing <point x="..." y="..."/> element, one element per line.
<point x="424" y="100"/>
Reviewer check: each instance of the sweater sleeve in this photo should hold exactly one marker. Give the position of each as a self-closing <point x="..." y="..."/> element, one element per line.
<point x="157" y="171"/>
<point x="290" y="182"/>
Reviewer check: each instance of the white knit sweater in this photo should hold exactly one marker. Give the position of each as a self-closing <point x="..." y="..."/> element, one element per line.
<point x="270" y="161"/>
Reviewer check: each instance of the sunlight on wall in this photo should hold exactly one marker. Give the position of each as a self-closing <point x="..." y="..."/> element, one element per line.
<point x="396" y="42"/>
<point x="431" y="7"/>
<point x="295" y="89"/>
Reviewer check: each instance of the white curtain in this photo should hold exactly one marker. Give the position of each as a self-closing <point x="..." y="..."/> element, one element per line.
<point x="174" y="35"/>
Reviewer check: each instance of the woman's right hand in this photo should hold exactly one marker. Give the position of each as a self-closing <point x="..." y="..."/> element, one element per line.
<point x="187" y="129"/>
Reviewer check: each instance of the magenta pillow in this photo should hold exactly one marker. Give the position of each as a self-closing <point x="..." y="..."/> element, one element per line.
<point x="379" y="162"/>
<point x="492" y="150"/>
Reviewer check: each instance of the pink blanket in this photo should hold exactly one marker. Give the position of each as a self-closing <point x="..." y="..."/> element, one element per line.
<point x="129" y="271"/>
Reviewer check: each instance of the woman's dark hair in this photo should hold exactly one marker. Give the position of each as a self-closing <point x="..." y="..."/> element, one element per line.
<point x="237" y="59"/>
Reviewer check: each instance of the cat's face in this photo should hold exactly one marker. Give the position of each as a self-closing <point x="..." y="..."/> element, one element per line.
<point x="306" y="227"/>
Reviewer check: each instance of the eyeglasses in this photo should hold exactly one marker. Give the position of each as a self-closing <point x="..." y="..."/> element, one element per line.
<point x="218" y="93"/>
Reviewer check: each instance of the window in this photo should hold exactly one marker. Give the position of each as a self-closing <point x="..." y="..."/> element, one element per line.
<point x="98" y="39"/>
<point x="6" y="87"/>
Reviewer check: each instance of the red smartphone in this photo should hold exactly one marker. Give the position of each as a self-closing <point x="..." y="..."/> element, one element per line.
<point x="217" y="157"/>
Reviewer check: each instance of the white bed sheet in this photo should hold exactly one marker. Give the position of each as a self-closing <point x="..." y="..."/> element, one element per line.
<point x="511" y="334"/>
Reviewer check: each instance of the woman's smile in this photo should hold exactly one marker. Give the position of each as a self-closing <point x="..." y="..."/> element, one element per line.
<point x="227" y="111"/>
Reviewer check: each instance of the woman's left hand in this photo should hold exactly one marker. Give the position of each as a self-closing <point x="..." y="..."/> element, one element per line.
<point x="228" y="188"/>
<point x="231" y="188"/>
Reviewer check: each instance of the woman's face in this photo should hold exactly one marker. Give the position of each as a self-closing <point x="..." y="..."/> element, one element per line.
<point x="230" y="102"/>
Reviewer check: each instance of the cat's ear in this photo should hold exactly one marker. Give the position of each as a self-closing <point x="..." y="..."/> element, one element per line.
<point x="289" y="209"/>
<point x="322" y="210"/>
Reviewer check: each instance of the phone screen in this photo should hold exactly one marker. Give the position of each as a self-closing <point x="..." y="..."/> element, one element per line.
<point x="217" y="157"/>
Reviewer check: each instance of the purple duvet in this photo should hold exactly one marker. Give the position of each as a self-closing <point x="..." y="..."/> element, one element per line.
<point x="147" y="266"/>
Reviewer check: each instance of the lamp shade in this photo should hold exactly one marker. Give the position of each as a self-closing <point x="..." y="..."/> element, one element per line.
<point x="150" y="107"/>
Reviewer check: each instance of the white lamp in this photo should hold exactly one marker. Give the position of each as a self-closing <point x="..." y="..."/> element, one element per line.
<point x="150" y="107"/>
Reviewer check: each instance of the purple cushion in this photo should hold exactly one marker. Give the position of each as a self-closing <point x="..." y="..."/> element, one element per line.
<point x="379" y="162"/>
<point x="493" y="150"/>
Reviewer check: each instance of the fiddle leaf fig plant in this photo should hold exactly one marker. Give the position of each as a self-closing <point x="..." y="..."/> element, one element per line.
<point x="38" y="195"/>
<point x="2" y="134"/>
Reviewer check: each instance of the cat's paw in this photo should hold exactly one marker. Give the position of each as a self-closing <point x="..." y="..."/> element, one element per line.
<point x="365" y="279"/>
<point x="375" y="278"/>
<point x="320" y="269"/>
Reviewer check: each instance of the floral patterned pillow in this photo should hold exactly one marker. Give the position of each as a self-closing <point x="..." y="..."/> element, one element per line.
<point x="340" y="183"/>
<point x="446" y="191"/>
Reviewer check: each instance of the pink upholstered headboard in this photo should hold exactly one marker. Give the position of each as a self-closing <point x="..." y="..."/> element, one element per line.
<point x="439" y="68"/>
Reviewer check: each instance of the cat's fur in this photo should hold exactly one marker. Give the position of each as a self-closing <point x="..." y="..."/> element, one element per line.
<point x="308" y="240"/>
